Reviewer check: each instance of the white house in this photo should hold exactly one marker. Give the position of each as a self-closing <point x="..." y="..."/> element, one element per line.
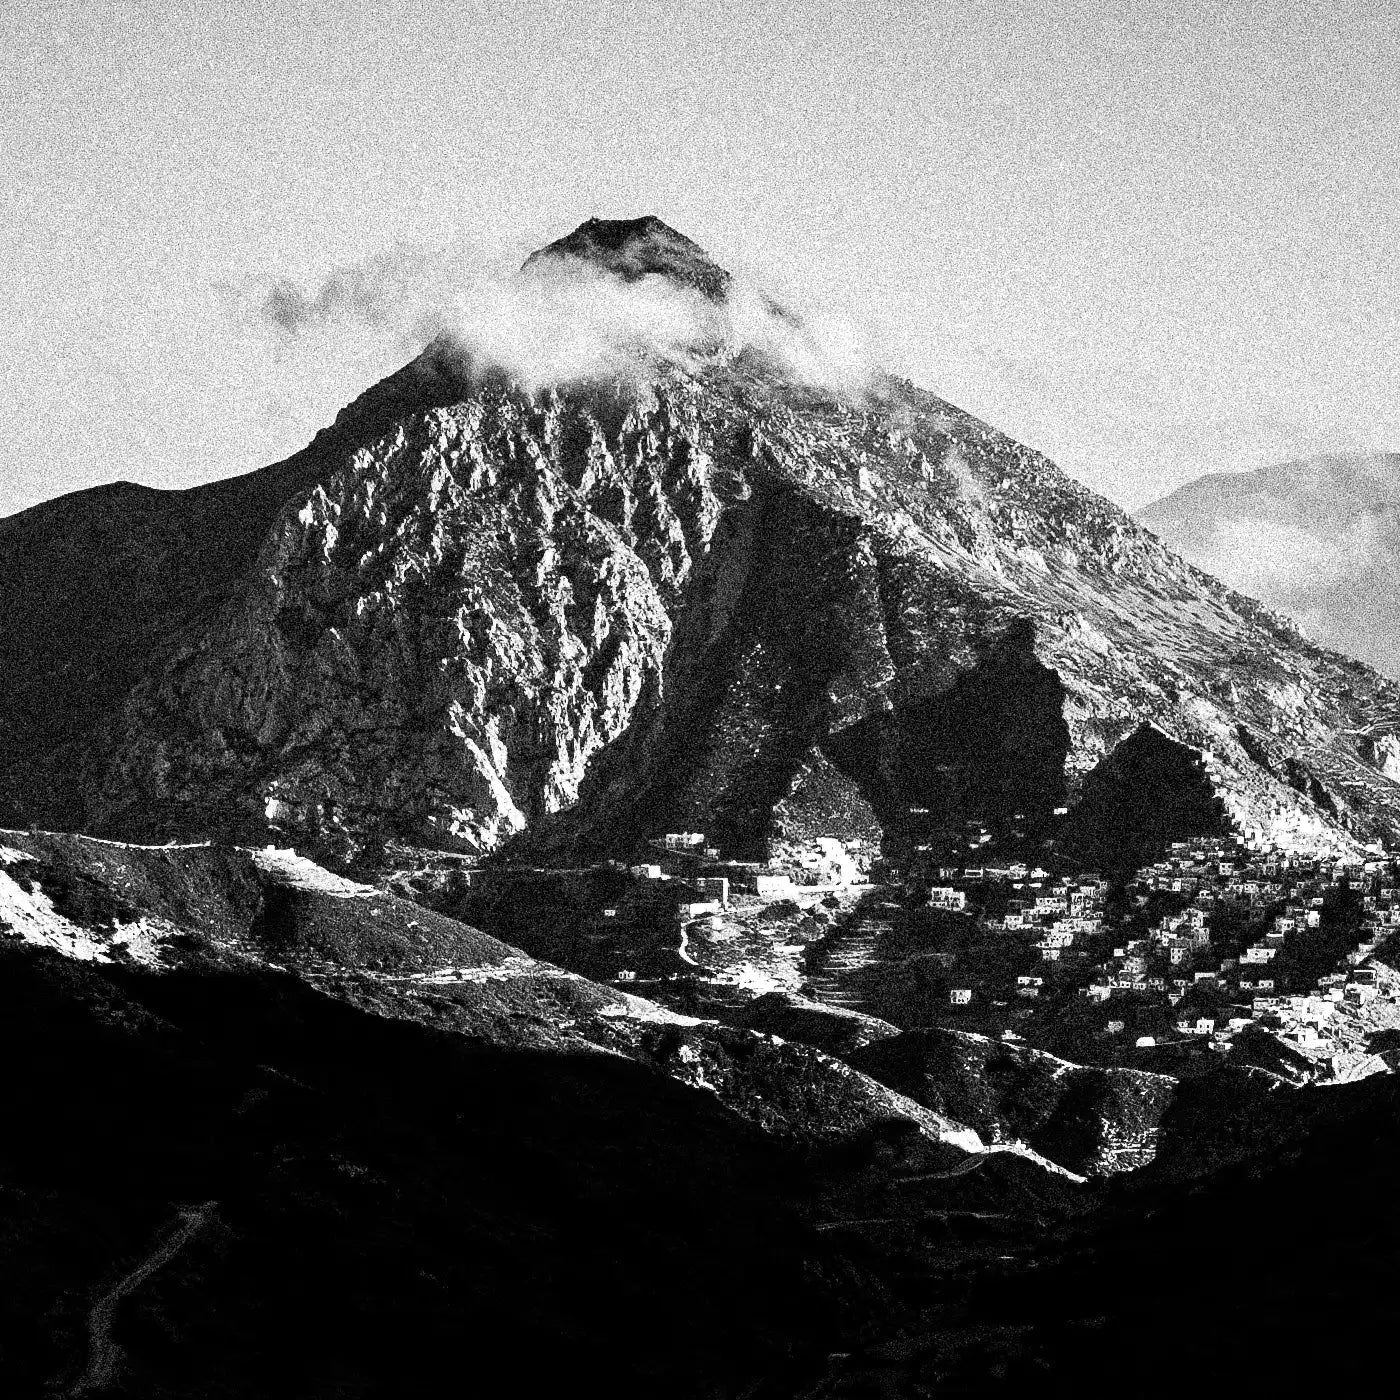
<point x="694" y="908"/>
<point x="768" y="885"/>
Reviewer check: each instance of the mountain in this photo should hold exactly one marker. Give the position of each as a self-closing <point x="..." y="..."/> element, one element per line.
<point x="333" y="1125"/>
<point x="632" y="249"/>
<point x="1318" y="539"/>
<point x="720" y="586"/>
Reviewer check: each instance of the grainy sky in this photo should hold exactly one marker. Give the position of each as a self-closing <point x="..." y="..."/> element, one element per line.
<point x="1152" y="240"/>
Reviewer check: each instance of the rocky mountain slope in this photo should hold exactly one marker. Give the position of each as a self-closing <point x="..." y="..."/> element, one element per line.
<point x="1318" y="539"/>
<point x="709" y="592"/>
<point x="1099" y="1121"/>
<point x="1092" y="1121"/>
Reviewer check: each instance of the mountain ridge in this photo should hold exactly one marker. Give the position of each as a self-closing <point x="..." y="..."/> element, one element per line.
<point x="479" y="609"/>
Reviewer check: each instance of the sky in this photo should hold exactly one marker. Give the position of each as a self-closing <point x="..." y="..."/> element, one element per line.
<point x="1153" y="241"/>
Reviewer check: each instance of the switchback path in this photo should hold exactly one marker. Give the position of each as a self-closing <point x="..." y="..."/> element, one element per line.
<point x="102" y="1350"/>
<point x="850" y="950"/>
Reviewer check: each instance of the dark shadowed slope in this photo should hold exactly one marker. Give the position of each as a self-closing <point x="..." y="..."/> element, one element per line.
<point x="386" y="1202"/>
<point x="278" y="1130"/>
<point x="1273" y="1279"/>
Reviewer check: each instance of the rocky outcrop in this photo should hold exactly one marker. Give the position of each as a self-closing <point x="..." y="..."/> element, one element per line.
<point x="1091" y="1121"/>
<point x="1383" y="751"/>
<point x="793" y="1090"/>
<point x="1149" y="791"/>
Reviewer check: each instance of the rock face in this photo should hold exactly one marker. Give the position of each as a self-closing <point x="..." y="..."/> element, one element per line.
<point x="439" y="637"/>
<point x="1090" y="1120"/>
<point x="710" y="594"/>
<point x="1318" y="539"/>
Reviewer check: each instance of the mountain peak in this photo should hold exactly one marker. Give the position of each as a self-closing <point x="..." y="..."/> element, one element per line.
<point x="637" y="248"/>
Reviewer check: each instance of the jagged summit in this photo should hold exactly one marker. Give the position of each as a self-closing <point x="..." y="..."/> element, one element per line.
<point x="637" y="248"/>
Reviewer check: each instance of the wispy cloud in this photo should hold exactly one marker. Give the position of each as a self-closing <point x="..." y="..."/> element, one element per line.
<point x="1280" y="561"/>
<point x="561" y="320"/>
<point x="384" y="296"/>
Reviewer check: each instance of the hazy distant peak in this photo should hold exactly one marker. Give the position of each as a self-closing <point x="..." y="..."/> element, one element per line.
<point x="1317" y="538"/>
<point x="636" y="248"/>
<point x="1343" y="482"/>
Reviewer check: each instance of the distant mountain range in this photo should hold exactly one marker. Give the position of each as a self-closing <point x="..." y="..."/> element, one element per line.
<point x="1318" y="539"/>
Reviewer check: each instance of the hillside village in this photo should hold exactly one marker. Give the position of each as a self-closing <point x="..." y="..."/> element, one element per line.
<point x="1214" y="940"/>
<point x="1219" y="948"/>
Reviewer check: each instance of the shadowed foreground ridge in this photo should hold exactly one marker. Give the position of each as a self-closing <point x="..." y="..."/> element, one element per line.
<point x="336" y="1127"/>
<point x="407" y="1139"/>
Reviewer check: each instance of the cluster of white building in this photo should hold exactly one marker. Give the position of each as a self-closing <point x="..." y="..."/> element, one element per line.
<point x="1227" y="951"/>
<point x="1282" y="898"/>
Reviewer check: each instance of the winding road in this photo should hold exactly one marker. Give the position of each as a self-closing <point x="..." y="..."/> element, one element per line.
<point x="103" y="1352"/>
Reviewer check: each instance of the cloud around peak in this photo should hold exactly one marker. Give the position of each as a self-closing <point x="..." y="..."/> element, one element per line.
<point x="594" y="303"/>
